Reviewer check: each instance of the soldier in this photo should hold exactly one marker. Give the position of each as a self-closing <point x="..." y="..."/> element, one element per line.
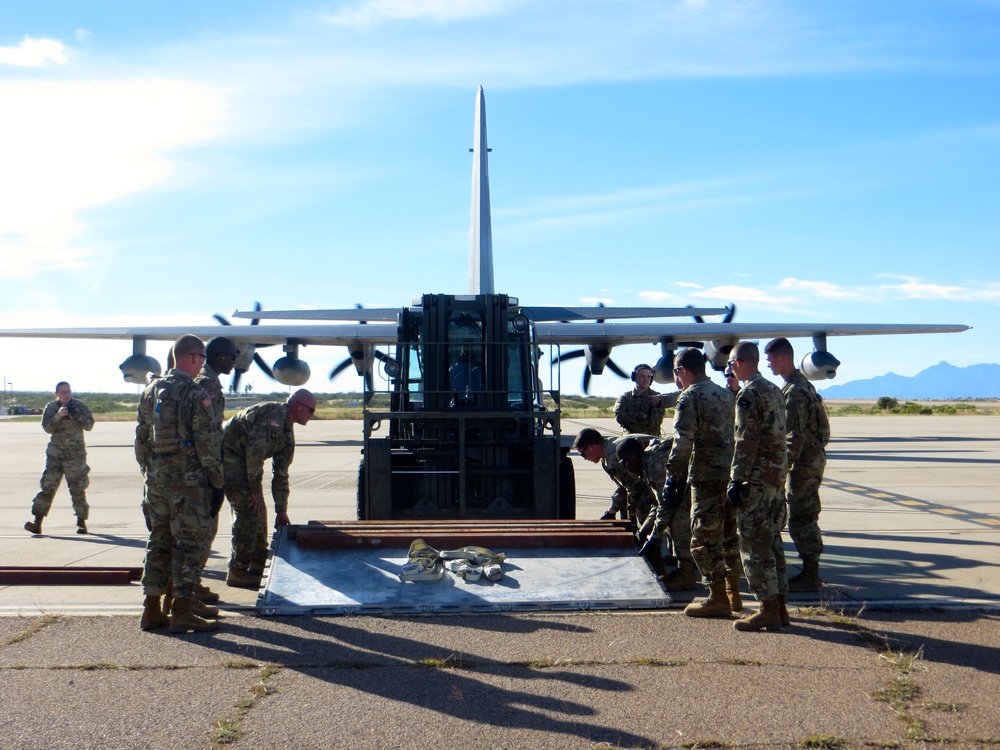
<point x="179" y="445"/>
<point x="222" y="354"/>
<point x="255" y="434"/>
<point x="757" y="475"/>
<point x="640" y="411"/>
<point x="808" y="435"/>
<point x="633" y="497"/>
<point x="700" y="458"/>
<point x="64" y="419"/>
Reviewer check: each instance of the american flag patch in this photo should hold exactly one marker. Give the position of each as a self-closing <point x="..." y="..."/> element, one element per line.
<point x="275" y="423"/>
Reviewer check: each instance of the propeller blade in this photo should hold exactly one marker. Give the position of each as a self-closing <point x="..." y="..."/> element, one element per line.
<point x="575" y="354"/>
<point x="586" y="380"/>
<point x="616" y="369"/>
<point x="256" y="308"/>
<point x="369" y="387"/>
<point x="221" y="320"/>
<point x="263" y="365"/>
<point x="340" y="368"/>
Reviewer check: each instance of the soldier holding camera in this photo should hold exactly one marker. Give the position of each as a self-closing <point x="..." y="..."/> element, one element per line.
<point x="64" y="419"/>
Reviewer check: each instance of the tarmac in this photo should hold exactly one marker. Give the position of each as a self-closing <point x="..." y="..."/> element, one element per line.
<point x="900" y="649"/>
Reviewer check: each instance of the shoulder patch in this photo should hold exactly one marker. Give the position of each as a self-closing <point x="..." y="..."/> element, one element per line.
<point x="743" y="402"/>
<point x="206" y="402"/>
<point x="275" y="423"/>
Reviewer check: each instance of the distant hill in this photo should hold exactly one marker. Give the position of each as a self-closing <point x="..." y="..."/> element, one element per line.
<point x="938" y="382"/>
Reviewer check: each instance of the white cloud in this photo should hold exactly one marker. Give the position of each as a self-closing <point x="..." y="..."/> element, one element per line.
<point x="437" y="11"/>
<point x="744" y="294"/>
<point x="33" y="53"/>
<point x="656" y="296"/>
<point x="68" y="146"/>
<point x="818" y="289"/>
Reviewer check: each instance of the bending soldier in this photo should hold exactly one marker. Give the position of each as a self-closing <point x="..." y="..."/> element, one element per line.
<point x="252" y="436"/>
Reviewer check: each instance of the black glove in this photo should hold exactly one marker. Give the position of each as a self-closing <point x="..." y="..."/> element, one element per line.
<point x="218" y="495"/>
<point x="734" y="494"/>
<point x="651" y="546"/>
<point x="673" y="491"/>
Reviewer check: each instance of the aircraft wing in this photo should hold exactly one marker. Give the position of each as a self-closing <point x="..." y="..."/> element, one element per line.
<point x="331" y="335"/>
<point x="615" y="334"/>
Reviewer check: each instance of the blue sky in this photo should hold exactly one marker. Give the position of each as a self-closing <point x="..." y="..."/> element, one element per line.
<point x="810" y="162"/>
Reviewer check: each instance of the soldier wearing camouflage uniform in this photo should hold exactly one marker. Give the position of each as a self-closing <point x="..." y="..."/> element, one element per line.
<point x="634" y="497"/>
<point x="701" y="457"/>
<point x="179" y="445"/>
<point x="640" y="411"/>
<point x="252" y="436"/>
<point x="757" y="476"/>
<point x="808" y="435"/>
<point x="222" y="354"/>
<point x="64" y="419"/>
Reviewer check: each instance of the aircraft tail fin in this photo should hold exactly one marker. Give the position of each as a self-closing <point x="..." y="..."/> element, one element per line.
<point x="481" y="230"/>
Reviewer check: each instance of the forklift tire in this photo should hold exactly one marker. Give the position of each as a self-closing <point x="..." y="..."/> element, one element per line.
<point x="362" y="505"/>
<point x="567" y="489"/>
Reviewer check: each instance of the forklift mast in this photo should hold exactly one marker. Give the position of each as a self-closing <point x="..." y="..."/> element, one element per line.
<point x="467" y="433"/>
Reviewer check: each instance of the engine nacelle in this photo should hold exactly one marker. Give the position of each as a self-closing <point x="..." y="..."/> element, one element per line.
<point x="290" y="370"/>
<point x="819" y="366"/>
<point x="136" y="369"/>
<point x="597" y="357"/>
<point x="717" y="352"/>
<point x="247" y="351"/>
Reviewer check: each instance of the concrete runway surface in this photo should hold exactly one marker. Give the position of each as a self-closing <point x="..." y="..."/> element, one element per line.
<point x="901" y="646"/>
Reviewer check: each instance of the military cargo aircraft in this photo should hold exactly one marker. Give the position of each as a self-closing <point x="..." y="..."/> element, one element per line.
<point x="362" y="331"/>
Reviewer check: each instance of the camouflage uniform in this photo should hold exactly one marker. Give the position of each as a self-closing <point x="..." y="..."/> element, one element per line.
<point x="701" y="457"/>
<point x="808" y="434"/>
<point x="251" y="437"/>
<point x="760" y="463"/>
<point x="634" y="496"/>
<point x="209" y="380"/>
<point x="181" y="461"/>
<point x="637" y="416"/>
<point x="66" y="455"/>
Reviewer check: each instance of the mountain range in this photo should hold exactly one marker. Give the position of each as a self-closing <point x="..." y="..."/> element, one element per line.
<point x="942" y="381"/>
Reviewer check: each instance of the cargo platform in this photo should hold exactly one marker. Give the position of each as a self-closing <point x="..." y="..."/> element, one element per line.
<point x="352" y="568"/>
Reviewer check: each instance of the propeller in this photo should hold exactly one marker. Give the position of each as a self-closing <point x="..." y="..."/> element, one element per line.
<point x="600" y="356"/>
<point x="244" y="361"/>
<point x="717" y="350"/>
<point x="357" y="358"/>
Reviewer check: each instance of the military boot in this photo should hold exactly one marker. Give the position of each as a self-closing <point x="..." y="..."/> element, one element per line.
<point x="81" y="526"/>
<point x="733" y="592"/>
<point x="783" y="610"/>
<point x="201" y="609"/>
<point x="808" y="579"/>
<point x="168" y="597"/>
<point x="766" y="618"/>
<point x="35" y="527"/>
<point x="182" y="619"/>
<point x="716" y="604"/>
<point x="152" y="615"/>
<point x="685" y="578"/>
<point x="242" y="579"/>
<point x="204" y="593"/>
